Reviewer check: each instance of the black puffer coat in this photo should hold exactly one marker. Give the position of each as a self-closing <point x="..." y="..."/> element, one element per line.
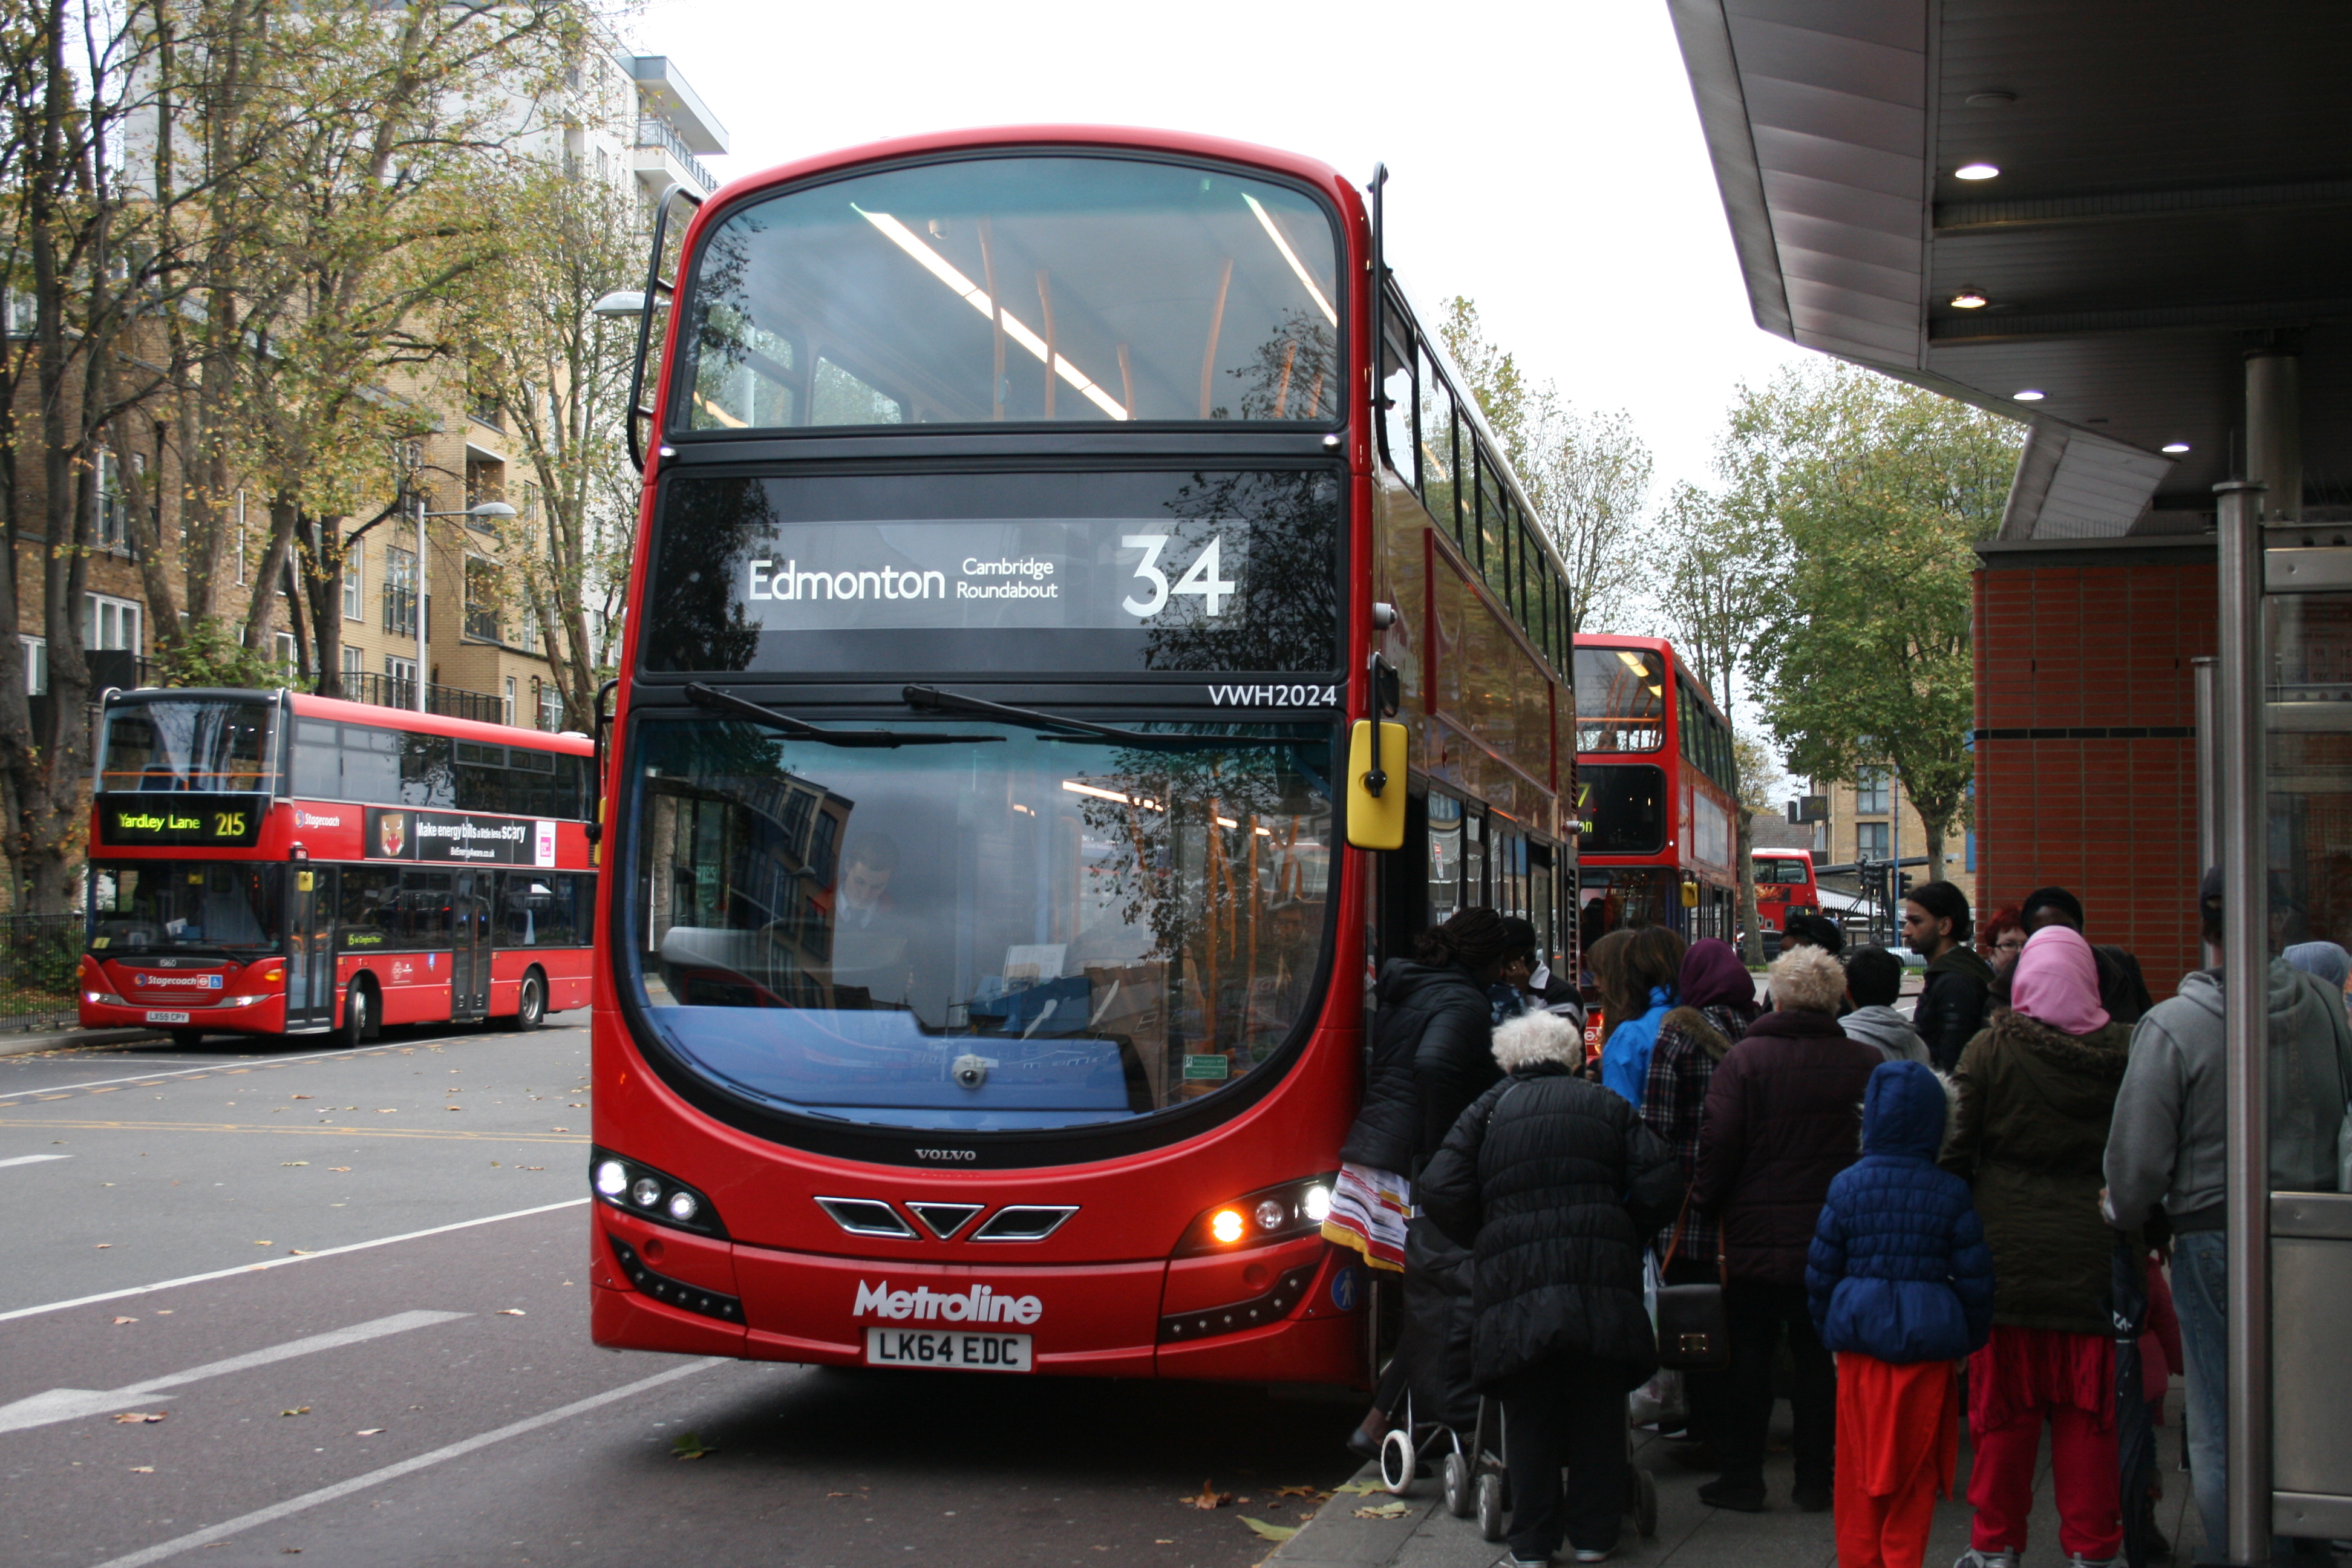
<point x="1557" y="1185"/>
<point x="1431" y="1058"/>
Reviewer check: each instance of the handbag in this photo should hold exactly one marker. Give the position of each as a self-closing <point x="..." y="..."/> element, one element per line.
<point x="1694" y="1331"/>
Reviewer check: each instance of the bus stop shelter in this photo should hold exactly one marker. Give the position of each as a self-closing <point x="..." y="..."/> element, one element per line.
<point x="2127" y="223"/>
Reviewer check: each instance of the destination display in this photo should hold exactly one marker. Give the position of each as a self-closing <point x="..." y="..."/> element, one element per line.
<point x="457" y="836"/>
<point x="1223" y="572"/>
<point x="181" y="817"/>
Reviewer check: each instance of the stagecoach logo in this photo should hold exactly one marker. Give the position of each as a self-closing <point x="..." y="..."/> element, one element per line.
<point x="980" y="1304"/>
<point x="315" y="820"/>
<point x="201" y="982"/>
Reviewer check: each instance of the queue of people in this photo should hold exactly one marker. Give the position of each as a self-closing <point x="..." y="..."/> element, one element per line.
<point x="1990" y="1184"/>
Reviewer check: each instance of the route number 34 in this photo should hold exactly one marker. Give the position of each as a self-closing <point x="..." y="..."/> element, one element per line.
<point x="1201" y="578"/>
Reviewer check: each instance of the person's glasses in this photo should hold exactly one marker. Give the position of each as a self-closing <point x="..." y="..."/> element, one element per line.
<point x="2010" y="942"/>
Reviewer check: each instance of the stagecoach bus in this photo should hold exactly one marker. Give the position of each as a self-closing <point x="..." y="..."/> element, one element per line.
<point x="1655" y="794"/>
<point x="270" y="862"/>
<point x="1058" y="670"/>
<point x="1785" y="886"/>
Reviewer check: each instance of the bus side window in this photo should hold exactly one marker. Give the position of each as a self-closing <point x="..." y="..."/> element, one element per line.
<point x="317" y="760"/>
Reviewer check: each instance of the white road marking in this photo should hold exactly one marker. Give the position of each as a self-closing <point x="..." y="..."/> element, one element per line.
<point x="248" y="1066"/>
<point x="71" y="1403"/>
<point x="243" y="1522"/>
<point x="282" y="1262"/>
<point x="34" y="1159"/>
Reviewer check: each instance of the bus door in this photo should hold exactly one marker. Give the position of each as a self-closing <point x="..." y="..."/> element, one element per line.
<point x="310" y="949"/>
<point x="470" y="963"/>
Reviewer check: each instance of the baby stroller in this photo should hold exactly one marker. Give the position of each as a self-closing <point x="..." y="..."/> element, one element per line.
<point x="1443" y="1415"/>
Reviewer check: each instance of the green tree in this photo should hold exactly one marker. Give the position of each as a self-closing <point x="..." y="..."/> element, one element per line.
<point x="1879" y="491"/>
<point x="1587" y="475"/>
<point x="1724" y="594"/>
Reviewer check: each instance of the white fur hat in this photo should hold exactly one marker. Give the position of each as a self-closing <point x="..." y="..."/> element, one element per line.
<point x="1533" y="1038"/>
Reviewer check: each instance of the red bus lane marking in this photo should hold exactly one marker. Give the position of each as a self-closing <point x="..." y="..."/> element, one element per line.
<point x="341" y="1489"/>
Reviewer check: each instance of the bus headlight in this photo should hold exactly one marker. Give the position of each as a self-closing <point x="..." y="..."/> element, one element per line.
<point x="634" y="1188"/>
<point x="103" y="999"/>
<point x="1269" y="1215"/>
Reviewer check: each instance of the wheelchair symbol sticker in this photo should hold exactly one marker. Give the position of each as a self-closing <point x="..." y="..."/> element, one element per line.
<point x="1344" y="1285"/>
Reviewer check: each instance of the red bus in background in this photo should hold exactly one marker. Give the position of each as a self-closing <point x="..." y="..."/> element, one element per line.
<point x="992" y="892"/>
<point x="1653" y="793"/>
<point x="274" y="863"/>
<point x="1784" y="887"/>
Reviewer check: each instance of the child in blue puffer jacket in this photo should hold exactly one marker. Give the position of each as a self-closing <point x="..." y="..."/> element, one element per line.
<point x="1900" y="1282"/>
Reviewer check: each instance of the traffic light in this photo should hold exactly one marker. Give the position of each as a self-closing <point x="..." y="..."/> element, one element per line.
<point x="1907" y="885"/>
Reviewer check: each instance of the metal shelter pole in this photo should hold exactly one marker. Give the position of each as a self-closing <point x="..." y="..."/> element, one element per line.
<point x="2207" y="678"/>
<point x="421" y="665"/>
<point x="2245" y="966"/>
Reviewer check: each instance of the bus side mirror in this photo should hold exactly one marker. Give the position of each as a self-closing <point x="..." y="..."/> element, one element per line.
<point x="1376" y="787"/>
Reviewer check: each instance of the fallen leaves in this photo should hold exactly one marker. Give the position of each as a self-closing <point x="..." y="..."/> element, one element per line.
<point x="120" y="1321"/>
<point x="367" y="1432"/>
<point x="1209" y="1496"/>
<point x="136" y="1417"/>
<point x="689" y="1445"/>
<point x="1267" y="1531"/>
<point x="1316" y="1492"/>
<point x="1396" y="1509"/>
<point x="288" y="1164"/>
<point x="341" y="1170"/>
<point x="142" y="1469"/>
<point x="101" y="1247"/>
<point x="384" y="1109"/>
<point x="558" y="1129"/>
<point x="453" y="1108"/>
<point x="265" y="1243"/>
<point x="301" y="1252"/>
<point x="300" y="1410"/>
<point x="306" y="1096"/>
<point x="512" y="1312"/>
<point x="1356" y="1488"/>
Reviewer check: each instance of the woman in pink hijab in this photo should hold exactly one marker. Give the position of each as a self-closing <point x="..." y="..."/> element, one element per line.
<point x="2037" y="1089"/>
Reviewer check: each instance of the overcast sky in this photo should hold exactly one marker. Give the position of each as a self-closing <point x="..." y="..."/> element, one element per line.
<point x="1543" y="159"/>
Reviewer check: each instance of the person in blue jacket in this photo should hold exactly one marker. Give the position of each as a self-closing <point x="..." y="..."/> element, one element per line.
<point x="1645" y="971"/>
<point x="1901" y="1286"/>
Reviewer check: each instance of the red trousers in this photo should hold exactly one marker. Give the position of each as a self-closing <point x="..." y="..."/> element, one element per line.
<point x="1898" y="1443"/>
<point x="2083" y="1474"/>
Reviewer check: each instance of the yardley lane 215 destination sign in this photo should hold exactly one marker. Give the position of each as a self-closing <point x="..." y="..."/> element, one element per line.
<point x="181" y="817"/>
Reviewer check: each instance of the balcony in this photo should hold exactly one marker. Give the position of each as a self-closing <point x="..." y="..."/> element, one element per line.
<point x="663" y="159"/>
<point x="450" y="701"/>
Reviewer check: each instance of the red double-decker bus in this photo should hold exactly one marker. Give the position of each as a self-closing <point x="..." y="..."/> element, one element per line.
<point x="270" y="862"/>
<point x="1058" y="670"/>
<point x="1785" y="886"/>
<point x="1655" y="793"/>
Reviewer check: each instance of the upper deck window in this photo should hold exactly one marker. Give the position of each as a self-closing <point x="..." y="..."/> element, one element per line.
<point x="1621" y="699"/>
<point x="187" y="743"/>
<point x="1022" y="288"/>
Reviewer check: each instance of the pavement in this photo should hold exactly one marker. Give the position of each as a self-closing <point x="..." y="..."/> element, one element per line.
<point x="74" y="1039"/>
<point x="1690" y="1534"/>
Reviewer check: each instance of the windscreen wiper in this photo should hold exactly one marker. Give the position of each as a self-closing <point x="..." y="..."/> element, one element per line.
<point x="802" y="730"/>
<point x="932" y="698"/>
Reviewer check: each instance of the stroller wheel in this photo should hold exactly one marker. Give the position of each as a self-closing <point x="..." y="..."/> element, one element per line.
<point x="1397" y="1460"/>
<point x="1456" y="1473"/>
<point x="1491" y="1523"/>
<point x="1645" y="1503"/>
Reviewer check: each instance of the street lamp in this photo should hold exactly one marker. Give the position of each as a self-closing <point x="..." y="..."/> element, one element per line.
<point x="486" y="512"/>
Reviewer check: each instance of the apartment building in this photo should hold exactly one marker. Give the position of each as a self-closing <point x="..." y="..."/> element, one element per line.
<point x="641" y="125"/>
<point x="1874" y="819"/>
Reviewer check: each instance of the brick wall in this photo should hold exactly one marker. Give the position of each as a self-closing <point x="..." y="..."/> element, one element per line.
<point x="2086" y="769"/>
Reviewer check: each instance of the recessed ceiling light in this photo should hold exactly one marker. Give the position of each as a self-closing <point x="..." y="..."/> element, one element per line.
<point x="1968" y="299"/>
<point x="1976" y="171"/>
<point x="2175" y="447"/>
<point x="2028" y="396"/>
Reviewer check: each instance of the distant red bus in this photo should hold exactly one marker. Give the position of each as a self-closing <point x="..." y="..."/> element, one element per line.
<point x="274" y="863"/>
<point x="1784" y="887"/>
<point x="1653" y="793"/>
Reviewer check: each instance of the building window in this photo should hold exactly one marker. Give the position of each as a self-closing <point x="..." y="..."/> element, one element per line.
<point x="482" y="599"/>
<point x="400" y="676"/>
<point x="112" y="528"/>
<point x="36" y="665"/>
<point x="109" y="623"/>
<point x="290" y="652"/>
<point x="1869" y="841"/>
<point x="550" y="707"/>
<point x="351" y="671"/>
<point x="400" y="591"/>
<point x="507" y="708"/>
<point x="1821" y="841"/>
<point x="355" y="578"/>
<point x="1870" y="792"/>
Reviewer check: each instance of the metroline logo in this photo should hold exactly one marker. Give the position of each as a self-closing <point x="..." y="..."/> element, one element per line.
<point x="978" y="1305"/>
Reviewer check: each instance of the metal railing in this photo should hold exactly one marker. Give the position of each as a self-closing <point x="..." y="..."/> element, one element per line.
<point x="661" y="134"/>
<point x="40" y="957"/>
<point x="390" y="691"/>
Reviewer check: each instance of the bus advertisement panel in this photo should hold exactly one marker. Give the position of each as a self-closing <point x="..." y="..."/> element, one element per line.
<point x="984" y="967"/>
<point x="278" y="863"/>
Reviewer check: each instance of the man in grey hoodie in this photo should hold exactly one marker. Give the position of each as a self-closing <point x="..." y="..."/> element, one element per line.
<point x="1874" y="978"/>
<point x="2166" y="1145"/>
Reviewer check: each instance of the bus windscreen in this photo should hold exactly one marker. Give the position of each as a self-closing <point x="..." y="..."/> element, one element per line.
<point x="1025" y="933"/>
<point x="206" y="744"/>
<point x="1029" y="289"/>
<point x="1092" y="573"/>
<point x="200" y="908"/>
<point x="1621" y="699"/>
